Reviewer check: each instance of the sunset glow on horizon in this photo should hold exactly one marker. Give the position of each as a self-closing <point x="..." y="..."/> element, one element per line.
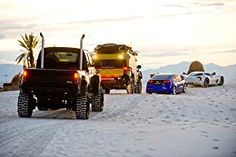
<point x="162" y="31"/>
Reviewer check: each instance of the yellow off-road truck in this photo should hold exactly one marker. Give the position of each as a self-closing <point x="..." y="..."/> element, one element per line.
<point x="117" y="66"/>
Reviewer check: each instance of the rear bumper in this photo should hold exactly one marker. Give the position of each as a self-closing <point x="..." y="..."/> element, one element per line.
<point x="113" y="83"/>
<point x="50" y="90"/>
<point x="158" y="89"/>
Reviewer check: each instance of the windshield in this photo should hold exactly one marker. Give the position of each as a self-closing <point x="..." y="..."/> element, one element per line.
<point x="65" y="58"/>
<point x="110" y="63"/>
<point x="61" y="60"/>
<point x="162" y="77"/>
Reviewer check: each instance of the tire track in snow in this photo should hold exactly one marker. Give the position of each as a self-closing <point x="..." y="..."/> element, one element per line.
<point x="30" y="140"/>
<point x="118" y="108"/>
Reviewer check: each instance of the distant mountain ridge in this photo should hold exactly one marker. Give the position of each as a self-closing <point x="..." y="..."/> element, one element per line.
<point x="229" y="72"/>
<point x="7" y="71"/>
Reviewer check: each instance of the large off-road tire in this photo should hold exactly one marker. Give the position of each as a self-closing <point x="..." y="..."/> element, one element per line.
<point x="138" y="88"/>
<point x="174" y="90"/>
<point x="82" y="108"/>
<point x="97" y="101"/>
<point x="94" y="83"/>
<point x="25" y="104"/>
<point x="184" y="88"/>
<point x="130" y="87"/>
<point x="221" y="81"/>
<point x="107" y="90"/>
<point x="206" y="83"/>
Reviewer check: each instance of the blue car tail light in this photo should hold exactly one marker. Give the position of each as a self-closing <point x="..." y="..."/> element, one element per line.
<point x="166" y="82"/>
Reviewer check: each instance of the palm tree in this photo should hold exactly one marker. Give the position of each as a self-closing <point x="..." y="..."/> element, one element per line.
<point x="29" y="43"/>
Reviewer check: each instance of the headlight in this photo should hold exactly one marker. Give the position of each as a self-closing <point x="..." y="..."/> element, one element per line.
<point x="120" y="56"/>
<point x="95" y="57"/>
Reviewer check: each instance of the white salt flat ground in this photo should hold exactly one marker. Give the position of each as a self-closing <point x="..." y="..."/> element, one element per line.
<point x="199" y="123"/>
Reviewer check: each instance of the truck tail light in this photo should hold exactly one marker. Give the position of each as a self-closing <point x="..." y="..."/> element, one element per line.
<point x="126" y="69"/>
<point x="24" y="75"/>
<point x="76" y="77"/>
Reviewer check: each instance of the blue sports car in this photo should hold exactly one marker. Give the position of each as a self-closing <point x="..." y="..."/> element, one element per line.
<point x="166" y="83"/>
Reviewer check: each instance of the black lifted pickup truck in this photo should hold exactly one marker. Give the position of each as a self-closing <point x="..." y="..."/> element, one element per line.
<point x="64" y="77"/>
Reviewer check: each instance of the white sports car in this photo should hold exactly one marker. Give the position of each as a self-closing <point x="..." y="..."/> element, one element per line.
<point x="204" y="79"/>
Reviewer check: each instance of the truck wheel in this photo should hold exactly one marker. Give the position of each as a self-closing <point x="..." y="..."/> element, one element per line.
<point x="107" y="90"/>
<point x="130" y="88"/>
<point x="97" y="101"/>
<point x="82" y="107"/>
<point x="25" y="104"/>
<point x="139" y="89"/>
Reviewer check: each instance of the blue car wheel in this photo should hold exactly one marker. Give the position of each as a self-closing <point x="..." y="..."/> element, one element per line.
<point x="184" y="88"/>
<point x="174" y="90"/>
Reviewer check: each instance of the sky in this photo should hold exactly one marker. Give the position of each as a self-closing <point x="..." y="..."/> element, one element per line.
<point x="162" y="31"/>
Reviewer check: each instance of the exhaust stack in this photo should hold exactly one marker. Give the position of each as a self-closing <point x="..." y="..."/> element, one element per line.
<point x="42" y="51"/>
<point x="81" y="52"/>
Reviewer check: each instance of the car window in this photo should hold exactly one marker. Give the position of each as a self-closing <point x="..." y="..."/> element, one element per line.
<point x="198" y="74"/>
<point x="207" y="74"/>
<point x="177" y="78"/>
<point x="162" y="77"/>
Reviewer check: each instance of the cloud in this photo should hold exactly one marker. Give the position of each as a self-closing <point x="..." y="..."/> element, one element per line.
<point x="207" y="4"/>
<point x="6" y="6"/>
<point x="104" y="20"/>
<point x="8" y="56"/>
<point x="2" y="36"/>
<point x="12" y="28"/>
<point x="179" y="14"/>
<point x="163" y="54"/>
<point x="224" y="51"/>
<point x="12" y="25"/>
<point x="175" y="5"/>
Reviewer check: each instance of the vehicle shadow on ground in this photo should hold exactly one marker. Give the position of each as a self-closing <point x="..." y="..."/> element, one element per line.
<point x="199" y="86"/>
<point x="117" y="94"/>
<point x="58" y="114"/>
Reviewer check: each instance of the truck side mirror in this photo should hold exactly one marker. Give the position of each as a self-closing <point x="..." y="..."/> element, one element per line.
<point x="214" y="73"/>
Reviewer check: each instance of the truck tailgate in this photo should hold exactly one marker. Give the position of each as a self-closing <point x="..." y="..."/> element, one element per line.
<point x="49" y="77"/>
<point x="111" y="72"/>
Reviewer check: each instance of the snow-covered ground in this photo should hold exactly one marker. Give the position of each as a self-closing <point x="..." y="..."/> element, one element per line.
<point x="199" y="123"/>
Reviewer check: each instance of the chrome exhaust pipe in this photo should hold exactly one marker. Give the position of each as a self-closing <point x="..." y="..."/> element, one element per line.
<point x="42" y="51"/>
<point x="81" y="53"/>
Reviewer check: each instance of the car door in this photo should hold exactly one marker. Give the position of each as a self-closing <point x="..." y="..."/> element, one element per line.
<point x="212" y="78"/>
<point x="215" y="78"/>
